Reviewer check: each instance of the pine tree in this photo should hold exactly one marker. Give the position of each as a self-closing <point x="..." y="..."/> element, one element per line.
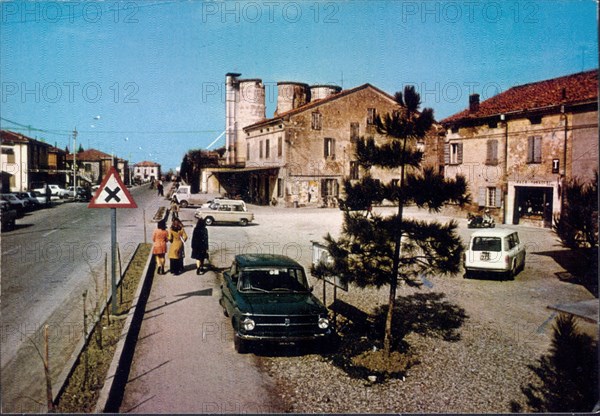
<point x="377" y="251"/>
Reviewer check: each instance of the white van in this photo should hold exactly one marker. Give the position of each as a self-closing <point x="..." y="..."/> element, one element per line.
<point x="495" y="251"/>
<point x="225" y="210"/>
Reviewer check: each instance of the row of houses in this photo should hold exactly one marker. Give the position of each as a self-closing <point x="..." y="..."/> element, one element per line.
<point x="516" y="149"/>
<point x="27" y="163"/>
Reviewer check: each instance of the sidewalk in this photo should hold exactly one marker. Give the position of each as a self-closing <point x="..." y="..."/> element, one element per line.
<point x="184" y="360"/>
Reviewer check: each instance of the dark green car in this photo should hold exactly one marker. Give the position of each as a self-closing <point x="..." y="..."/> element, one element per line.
<point x="268" y="299"/>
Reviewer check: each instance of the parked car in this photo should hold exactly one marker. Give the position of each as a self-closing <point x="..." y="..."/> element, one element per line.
<point x="30" y="201"/>
<point x="495" y="251"/>
<point x="8" y="216"/>
<point x="226" y="210"/>
<point x="268" y="299"/>
<point x="17" y="204"/>
<point x="55" y="190"/>
<point x="71" y="191"/>
<point x="38" y="196"/>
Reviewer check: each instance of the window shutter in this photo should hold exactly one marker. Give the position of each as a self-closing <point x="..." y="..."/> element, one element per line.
<point x="537" y="149"/>
<point x="325" y="148"/>
<point x="495" y="152"/>
<point x="481" y="199"/>
<point x="530" y="146"/>
<point x="498" y="197"/>
<point x="446" y="153"/>
<point x="459" y="158"/>
<point x="332" y="147"/>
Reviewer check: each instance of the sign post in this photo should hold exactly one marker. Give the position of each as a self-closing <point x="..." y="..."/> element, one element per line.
<point x="113" y="194"/>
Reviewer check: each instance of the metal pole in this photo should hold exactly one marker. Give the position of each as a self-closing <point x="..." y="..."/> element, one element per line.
<point x="113" y="244"/>
<point x="75" y="162"/>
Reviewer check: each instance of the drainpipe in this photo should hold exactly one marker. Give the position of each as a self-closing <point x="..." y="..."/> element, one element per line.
<point x="564" y="178"/>
<point x="505" y="187"/>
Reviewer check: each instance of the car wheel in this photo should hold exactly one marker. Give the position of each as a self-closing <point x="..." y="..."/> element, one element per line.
<point x="243" y="222"/>
<point x="510" y="275"/>
<point x="209" y="220"/>
<point x="240" y="346"/>
<point x="184" y="204"/>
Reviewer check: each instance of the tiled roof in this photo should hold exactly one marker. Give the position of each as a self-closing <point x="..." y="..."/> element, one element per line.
<point x="12" y="137"/>
<point x="146" y="163"/>
<point x="318" y="102"/>
<point x="90" y="155"/>
<point x="571" y="89"/>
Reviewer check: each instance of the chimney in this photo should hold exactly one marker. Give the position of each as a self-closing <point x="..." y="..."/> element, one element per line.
<point x="474" y="103"/>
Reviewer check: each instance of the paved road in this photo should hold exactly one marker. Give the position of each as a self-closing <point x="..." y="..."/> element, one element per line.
<point x="52" y="257"/>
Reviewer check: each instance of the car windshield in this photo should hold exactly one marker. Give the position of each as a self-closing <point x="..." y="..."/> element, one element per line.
<point x="273" y="280"/>
<point x="487" y="244"/>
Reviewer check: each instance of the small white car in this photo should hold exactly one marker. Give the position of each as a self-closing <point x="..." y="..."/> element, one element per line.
<point x="495" y="251"/>
<point x="225" y="210"/>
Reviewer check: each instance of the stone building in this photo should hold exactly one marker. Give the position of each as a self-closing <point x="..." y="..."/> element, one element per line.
<point x="517" y="148"/>
<point x="302" y="154"/>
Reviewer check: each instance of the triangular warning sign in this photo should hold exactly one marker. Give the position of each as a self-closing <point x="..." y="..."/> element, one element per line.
<point x="112" y="193"/>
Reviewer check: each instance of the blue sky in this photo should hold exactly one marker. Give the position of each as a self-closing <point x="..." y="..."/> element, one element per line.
<point x="154" y="71"/>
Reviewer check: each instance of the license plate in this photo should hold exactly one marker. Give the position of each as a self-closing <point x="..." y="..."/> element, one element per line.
<point x="485" y="256"/>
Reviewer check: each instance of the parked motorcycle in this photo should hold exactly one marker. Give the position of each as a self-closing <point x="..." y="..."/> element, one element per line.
<point x="479" y="221"/>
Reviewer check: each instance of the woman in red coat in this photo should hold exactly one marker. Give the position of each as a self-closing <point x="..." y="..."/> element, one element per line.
<point x="160" y="238"/>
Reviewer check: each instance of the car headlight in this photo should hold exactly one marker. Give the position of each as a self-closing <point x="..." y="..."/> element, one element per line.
<point x="248" y="324"/>
<point x="323" y="323"/>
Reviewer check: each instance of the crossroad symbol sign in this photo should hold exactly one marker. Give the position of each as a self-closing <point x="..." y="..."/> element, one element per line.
<point x="112" y="193"/>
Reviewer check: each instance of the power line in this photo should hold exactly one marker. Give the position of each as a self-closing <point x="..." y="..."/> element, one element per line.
<point x="70" y="132"/>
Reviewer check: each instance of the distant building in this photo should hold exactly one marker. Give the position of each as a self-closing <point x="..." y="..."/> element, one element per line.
<point x="302" y="155"/>
<point x="146" y="171"/>
<point x="93" y="165"/>
<point x="517" y="148"/>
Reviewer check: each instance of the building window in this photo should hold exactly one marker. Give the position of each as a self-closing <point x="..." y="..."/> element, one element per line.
<point x="453" y="153"/>
<point x="354" y="131"/>
<point x="490" y="197"/>
<point x="371" y="113"/>
<point x="267" y="148"/>
<point x="279" y="146"/>
<point x="316" y="121"/>
<point x="329" y="148"/>
<point x="248" y="151"/>
<point x="492" y="153"/>
<point x="10" y="155"/>
<point x="260" y="150"/>
<point x="279" y="188"/>
<point x="534" y="149"/>
<point x="354" y="170"/>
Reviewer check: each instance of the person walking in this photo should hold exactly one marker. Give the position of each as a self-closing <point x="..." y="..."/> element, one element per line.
<point x="159" y="248"/>
<point x="159" y="187"/>
<point x="200" y="245"/>
<point x="174" y="210"/>
<point x="177" y="237"/>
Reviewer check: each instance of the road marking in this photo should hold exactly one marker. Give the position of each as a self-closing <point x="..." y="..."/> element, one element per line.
<point x="49" y="232"/>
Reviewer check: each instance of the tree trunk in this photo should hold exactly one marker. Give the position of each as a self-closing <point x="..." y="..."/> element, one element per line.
<point x="387" y="339"/>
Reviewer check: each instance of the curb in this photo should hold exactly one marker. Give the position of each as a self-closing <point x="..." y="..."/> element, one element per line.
<point x="116" y="378"/>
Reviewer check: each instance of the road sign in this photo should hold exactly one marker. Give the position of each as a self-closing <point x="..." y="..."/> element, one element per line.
<point x="112" y="193"/>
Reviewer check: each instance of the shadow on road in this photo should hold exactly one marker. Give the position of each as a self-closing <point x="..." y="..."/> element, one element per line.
<point x="581" y="267"/>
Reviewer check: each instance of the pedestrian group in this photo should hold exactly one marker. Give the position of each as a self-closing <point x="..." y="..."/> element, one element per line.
<point x="176" y="237"/>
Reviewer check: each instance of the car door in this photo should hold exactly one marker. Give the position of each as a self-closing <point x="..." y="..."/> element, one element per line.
<point x="520" y="248"/>
<point x="229" y="288"/>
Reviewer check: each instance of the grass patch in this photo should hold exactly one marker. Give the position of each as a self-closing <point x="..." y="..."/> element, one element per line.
<point x="87" y="379"/>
